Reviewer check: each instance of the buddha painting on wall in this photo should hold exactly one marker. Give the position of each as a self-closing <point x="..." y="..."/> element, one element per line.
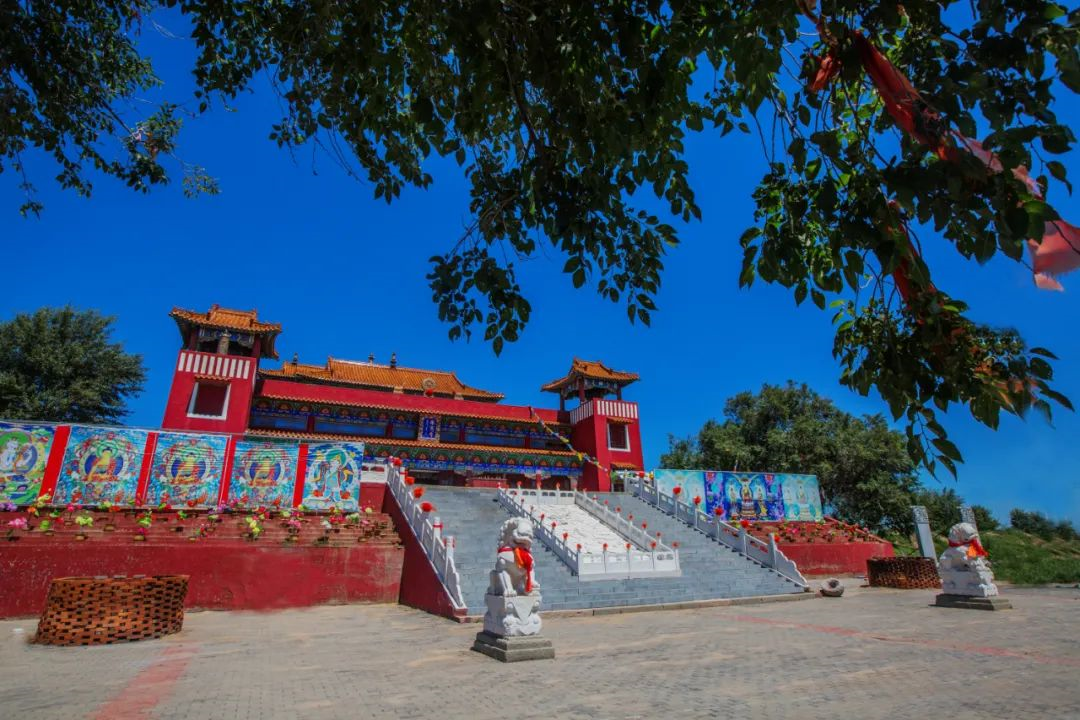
<point x="101" y="466"/>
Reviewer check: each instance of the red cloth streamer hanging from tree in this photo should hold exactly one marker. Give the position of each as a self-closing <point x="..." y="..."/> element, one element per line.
<point x="1059" y="250"/>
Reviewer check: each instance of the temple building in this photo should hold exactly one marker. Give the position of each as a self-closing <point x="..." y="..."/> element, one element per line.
<point x="449" y="432"/>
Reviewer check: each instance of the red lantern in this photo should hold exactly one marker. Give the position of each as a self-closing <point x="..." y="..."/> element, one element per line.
<point x="579" y="547"/>
<point x="418" y="492"/>
<point x="630" y="516"/>
<point x="426" y="506"/>
<point x="565" y="536"/>
<point x="397" y="462"/>
<point x="429" y="392"/>
<point x="627" y="546"/>
<point x="641" y="473"/>
<point x="653" y="544"/>
<point x="697" y="500"/>
<point x="605" y="547"/>
<point x="644" y="526"/>
<point x="553" y="524"/>
<point x="745" y="523"/>
<point x="675" y="545"/>
<point x="618" y="509"/>
<point x="718" y="511"/>
<point x="542" y="517"/>
<point x="676" y="490"/>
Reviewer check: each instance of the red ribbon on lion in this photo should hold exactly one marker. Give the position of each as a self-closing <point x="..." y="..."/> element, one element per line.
<point x="524" y="560"/>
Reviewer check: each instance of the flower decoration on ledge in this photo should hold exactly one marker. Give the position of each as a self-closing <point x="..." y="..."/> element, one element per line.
<point x="418" y="492"/>
<point x="426" y="507"/>
<point x="618" y="509"/>
<point x="697" y="500"/>
<point x="17" y="524"/>
<point x="644" y="526"/>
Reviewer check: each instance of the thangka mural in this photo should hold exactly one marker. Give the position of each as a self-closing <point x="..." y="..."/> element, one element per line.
<point x="186" y="470"/>
<point x="24" y="450"/>
<point x="802" y="497"/>
<point x="746" y="495"/>
<point x="333" y="476"/>
<point x="262" y="473"/>
<point x="689" y="480"/>
<point x="101" y="465"/>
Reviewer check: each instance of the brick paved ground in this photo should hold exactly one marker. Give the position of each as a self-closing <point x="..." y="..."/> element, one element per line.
<point x="872" y="654"/>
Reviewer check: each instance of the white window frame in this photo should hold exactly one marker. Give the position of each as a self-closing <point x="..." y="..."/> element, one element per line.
<point x="224" y="407"/>
<point x="626" y="429"/>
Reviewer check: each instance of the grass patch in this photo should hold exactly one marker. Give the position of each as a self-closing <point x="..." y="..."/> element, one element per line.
<point x="1016" y="556"/>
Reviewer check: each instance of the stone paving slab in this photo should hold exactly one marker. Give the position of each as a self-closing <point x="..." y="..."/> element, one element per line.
<point x="871" y="654"/>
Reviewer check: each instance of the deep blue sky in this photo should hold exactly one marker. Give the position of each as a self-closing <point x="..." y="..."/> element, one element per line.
<point x="344" y="274"/>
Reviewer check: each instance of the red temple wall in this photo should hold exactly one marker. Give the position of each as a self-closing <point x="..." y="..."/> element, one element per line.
<point x="235" y="576"/>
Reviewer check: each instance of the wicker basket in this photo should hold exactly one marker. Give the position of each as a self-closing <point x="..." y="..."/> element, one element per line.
<point x="101" y="611"/>
<point x="905" y="573"/>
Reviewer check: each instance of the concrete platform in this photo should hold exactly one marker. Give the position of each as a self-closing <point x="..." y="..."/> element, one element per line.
<point x="967" y="602"/>
<point x="514" y="649"/>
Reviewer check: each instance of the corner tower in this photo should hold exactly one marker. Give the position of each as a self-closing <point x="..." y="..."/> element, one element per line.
<point x="216" y="367"/>
<point x="607" y="429"/>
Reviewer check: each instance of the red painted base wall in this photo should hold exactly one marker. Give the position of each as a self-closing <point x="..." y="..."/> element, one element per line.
<point x="420" y="586"/>
<point x="239" y="576"/>
<point x="834" y="558"/>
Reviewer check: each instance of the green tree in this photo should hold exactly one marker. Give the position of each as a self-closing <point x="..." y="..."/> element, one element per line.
<point x="985" y="519"/>
<point x="865" y="473"/>
<point x="563" y="114"/>
<point x="59" y="365"/>
<point x="942" y="506"/>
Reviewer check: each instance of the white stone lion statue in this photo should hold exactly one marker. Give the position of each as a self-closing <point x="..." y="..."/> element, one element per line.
<point x="513" y="597"/>
<point x="513" y="573"/>
<point x="963" y="567"/>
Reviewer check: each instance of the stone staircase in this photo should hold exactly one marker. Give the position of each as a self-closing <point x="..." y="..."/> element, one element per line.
<point x="473" y="516"/>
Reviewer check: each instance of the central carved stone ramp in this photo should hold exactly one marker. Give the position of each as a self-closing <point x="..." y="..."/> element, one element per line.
<point x="710" y="571"/>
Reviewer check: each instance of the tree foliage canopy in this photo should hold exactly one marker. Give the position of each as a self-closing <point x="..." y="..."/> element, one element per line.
<point x="865" y="473"/>
<point x="58" y="365"/>
<point x="563" y="114"/>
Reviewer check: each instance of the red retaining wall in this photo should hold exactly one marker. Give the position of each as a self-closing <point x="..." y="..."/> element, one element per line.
<point x="420" y="585"/>
<point x="826" y="558"/>
<point x="225" y="576"/>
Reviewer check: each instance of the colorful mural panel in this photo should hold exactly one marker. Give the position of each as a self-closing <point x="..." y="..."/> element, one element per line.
<point x="735" y="496"/>
<point x="187" y="470"/>
<point x="333" y="476"/>
<point x="802" y="497"/>
<point x="101" y="465"/>
<point x="24" y="450"/>
<point x="263" y="473"/>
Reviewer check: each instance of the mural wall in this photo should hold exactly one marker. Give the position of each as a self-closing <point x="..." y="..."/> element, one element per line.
<point x="101" y="465"/>
<point x="263" y="473"/>
<point x="747" y="495"/>
<point x="333" y="476"/>
<point x="186" y="470"/>
<point x="24" y="450"/>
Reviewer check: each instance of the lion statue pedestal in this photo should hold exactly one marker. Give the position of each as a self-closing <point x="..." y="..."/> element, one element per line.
<point x="966" y="579"/>
<point x="512" y="621"/>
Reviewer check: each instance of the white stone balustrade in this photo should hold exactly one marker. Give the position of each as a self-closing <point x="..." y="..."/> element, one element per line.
<point x="428" y="530"/>
<point x="760" y="551"/>
<point x="612" y="563"/>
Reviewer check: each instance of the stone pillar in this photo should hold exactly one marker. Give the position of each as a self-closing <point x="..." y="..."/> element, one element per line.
<point x="922" y="532"/>
<point x="967" y="515"/>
